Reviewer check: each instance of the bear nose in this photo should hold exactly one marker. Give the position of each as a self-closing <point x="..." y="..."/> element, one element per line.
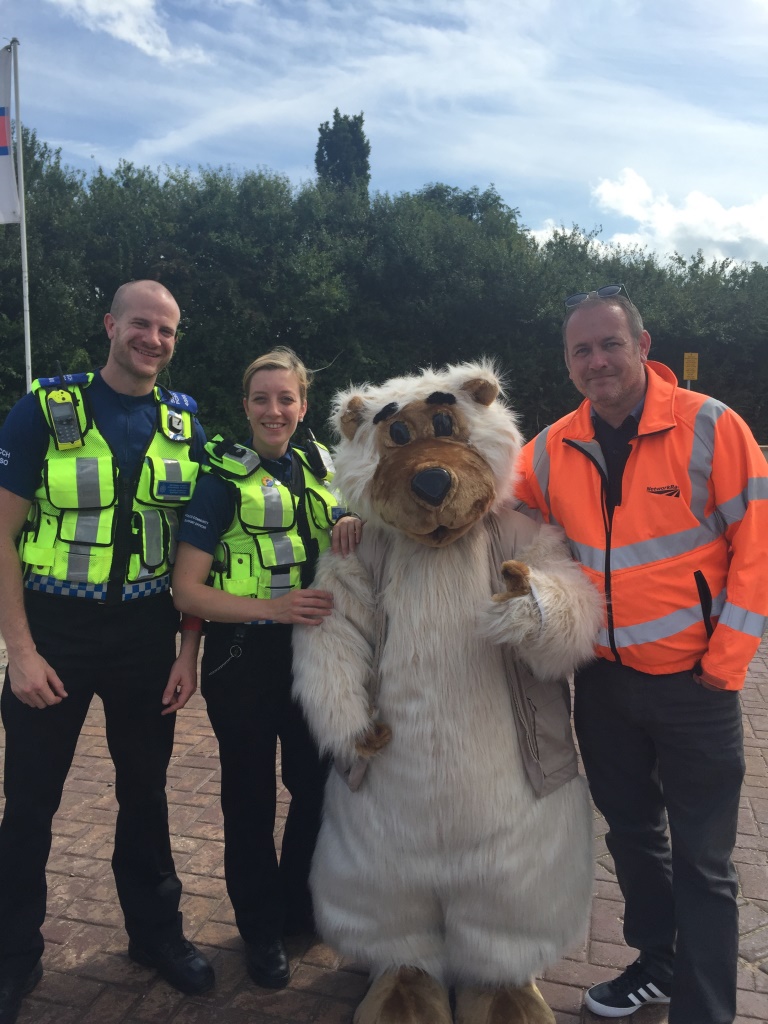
<point x="431" y="485"/>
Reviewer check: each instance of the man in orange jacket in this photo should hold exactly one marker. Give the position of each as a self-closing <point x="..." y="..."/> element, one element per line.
<point x="663" y="494"/>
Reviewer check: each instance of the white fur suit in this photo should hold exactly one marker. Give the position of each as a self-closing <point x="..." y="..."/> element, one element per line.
<point x="445" y="859"/>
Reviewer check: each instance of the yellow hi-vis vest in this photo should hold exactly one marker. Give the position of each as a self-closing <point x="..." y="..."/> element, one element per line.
<point x="88" y="524"/>
<point x="262" y="551"/>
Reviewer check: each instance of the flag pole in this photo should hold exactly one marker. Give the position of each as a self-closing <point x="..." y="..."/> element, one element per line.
<point x="23" y="221"/>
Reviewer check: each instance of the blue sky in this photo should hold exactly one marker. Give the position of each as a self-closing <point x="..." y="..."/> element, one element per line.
<point x="647" y="118"/>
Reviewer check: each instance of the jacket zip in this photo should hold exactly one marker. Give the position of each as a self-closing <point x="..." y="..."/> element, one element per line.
<point x="608" y="529"/>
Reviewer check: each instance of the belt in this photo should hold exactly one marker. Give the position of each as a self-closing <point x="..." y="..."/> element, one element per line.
<point x="96" y="591"/>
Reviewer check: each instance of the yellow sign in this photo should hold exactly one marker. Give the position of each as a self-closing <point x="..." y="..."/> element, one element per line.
<point x="691" y="366"/>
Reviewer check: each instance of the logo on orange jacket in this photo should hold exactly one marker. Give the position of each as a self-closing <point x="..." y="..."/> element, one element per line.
<point x="670" y="490"/>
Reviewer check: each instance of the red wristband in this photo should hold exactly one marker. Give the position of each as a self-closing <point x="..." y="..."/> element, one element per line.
<point x="191" y="624"/>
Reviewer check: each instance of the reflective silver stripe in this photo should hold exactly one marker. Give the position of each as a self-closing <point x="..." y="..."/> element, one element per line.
<point x="327" y="460"/>
<point x="656" y="549"/>
<point x="735" y="509"/>
<point x="280" y="584"/>
<point x="153" y="539"/>
<point x="273" y="508"/>
<point x="661" y="628"/>
<point x="284" y="553"/>
<point x="87" y="527"/>
<point x="86" y="523"/>
<point x="172" y="470"/>
<point x="78" y="562"/>
<point x="541" y="469"/>
<point x="757" y="488"/>
<point x="702" y="450"/>
<point x="247" y="458"/>
<point x="593" y="450"/>
<point x="742" y="621"/>
<point x="88" y="483"/>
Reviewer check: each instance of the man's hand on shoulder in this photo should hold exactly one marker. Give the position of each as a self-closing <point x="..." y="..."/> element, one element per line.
<point x="34" y="682"/>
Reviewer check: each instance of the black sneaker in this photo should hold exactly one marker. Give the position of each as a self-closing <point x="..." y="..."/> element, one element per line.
<point x="631" y="990"/>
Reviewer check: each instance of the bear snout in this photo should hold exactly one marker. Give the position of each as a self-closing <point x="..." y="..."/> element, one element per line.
<point x="431" y="485"/>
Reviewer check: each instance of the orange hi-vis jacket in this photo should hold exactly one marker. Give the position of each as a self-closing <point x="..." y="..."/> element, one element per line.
<point x="685" y="554"/>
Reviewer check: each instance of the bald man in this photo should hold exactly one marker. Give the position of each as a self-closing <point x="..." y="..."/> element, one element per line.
<point x="95" y="471"/>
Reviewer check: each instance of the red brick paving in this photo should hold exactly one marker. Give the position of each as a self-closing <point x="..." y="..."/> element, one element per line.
<point x="90" y="980"/>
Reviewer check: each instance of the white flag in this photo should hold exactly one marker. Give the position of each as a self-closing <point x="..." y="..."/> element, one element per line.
<point x="10" y="212"/>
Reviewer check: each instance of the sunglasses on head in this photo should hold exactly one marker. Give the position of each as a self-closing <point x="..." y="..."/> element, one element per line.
<point x="606" y="292"/>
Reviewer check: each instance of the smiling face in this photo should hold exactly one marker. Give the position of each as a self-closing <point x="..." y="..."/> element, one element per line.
<point x="604" y="361"/>
<point x="274" y="407"/>
<point x="142" y="333"/>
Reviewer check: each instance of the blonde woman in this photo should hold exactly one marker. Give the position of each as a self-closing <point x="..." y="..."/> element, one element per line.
<point x="258" y="520"/>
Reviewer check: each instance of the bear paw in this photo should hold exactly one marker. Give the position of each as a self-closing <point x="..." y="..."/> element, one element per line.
<point x="515" y="576"/>
<point x="505" y="1005"/>
<point x="374" y="739"/>
<point x="405" y="996"/>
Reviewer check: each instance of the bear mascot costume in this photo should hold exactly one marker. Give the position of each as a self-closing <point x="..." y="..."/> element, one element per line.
<point x="456" y="844"/>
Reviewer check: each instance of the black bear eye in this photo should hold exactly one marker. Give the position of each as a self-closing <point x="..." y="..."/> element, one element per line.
<point x="443" y="425"/>
<point x="399" y="432"/>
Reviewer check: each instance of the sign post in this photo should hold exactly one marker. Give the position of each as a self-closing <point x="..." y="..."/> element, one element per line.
<point x="690" y="368"/>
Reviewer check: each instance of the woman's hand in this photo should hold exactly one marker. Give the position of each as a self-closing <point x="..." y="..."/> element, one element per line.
<point x="301" y="607"/>
<point x="346" y="535"/>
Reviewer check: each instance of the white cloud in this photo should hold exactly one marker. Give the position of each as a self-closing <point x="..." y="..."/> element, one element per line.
<point x="131" y="21"/>
<point x="698" y="221"/>
<point x="543" y="99"/>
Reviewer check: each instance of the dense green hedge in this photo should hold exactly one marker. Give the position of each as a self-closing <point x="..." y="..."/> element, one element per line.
<point x="362" y="287"/>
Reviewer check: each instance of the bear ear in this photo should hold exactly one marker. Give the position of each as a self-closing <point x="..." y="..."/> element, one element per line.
<point x="484" y="390"/>
<point x="352" y="416"/>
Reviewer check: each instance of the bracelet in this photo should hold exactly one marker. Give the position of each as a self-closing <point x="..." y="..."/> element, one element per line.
<point x="350" y="515"/>
<point x="191" y="624"/>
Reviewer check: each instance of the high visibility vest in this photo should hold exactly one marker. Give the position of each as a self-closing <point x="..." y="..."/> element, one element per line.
<point x="262" y="551"/>
<point x="90" y="525"/>
<point x="685" y="553"/>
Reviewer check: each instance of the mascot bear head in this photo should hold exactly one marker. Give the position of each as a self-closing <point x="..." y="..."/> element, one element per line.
<point x="427" y="455"/>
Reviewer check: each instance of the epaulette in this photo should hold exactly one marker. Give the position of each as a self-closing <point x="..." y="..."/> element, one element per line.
<point x="231" y="459"/>
<point x="177" y="400"/>
<point x="64" y="380"/>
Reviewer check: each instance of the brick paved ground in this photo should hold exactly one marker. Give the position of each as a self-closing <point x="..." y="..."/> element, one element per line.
<point x="89" y="979"/>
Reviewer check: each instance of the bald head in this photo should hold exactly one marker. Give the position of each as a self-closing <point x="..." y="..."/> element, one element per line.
<point x="136" y="291"/>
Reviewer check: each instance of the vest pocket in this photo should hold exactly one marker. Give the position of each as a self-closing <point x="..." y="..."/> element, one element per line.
<point x="166" y="481"/>
<point x="151" y="532"/>
<point x="234" y="570"/>
<point x="83" y="483"/>
<point x="320" y="512"/>
<point x="37" y="543"/>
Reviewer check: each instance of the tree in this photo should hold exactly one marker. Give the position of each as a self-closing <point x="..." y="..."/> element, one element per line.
<point x="342" y="152"/>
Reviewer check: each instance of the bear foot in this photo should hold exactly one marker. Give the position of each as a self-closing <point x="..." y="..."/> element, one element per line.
<point x="404" y="996"/>
<point x="508" y="1005"/>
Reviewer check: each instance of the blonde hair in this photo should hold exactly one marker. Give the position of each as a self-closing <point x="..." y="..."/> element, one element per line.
<point x="280" y="358"/>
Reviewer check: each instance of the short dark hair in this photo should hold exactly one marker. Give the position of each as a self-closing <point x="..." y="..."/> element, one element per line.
<point x="631" y="312"/>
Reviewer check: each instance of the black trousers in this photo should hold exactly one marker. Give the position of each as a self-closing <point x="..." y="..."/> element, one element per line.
<point x="658" y="751"/>
<point x="247" y="687"/>
<point x="124" y="655"/>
